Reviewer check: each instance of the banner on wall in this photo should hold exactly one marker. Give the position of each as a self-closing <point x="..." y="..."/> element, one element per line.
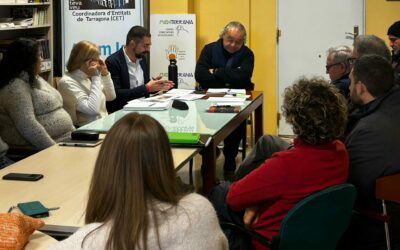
<point x="103" y="22"/>
<point x="174" y="34"/>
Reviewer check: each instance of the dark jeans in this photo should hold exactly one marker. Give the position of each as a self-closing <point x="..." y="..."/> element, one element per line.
<point x="231" y="146"/>
<point x="217" y="197"/>
<point x="264" y="148"/>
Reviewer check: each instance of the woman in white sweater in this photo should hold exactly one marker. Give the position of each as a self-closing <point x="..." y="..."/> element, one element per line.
<point x="87" y="85"/>
<point x="31" y="110"/>
<point x="134" y="202"/>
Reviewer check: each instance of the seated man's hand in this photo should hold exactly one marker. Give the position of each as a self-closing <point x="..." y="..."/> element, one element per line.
<point x="250" y="215"/>
<point x="157" y="85"/>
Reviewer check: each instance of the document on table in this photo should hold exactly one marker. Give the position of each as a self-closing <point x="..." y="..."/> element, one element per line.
<point x="215" y="91"/>
<point x="227" y="99"/>
<point x="229" y="91"/>
<point x="147" y="105"/>
<point x="190" y="97"/>
<point x="179" y="92"/>
<point x="237" y="91"/>
<point x="183" y="94"/>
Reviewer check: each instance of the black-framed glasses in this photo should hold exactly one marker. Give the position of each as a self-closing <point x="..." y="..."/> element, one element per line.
<point x="351" y="60"/>
<point x="328" y="67"/>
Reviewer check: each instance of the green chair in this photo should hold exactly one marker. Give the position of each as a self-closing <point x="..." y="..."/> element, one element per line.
<point x="316" y="222"/>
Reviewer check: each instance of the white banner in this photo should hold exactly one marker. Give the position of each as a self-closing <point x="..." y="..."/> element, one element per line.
<point x="104" y="23"/>
<point x="176" y="34"/>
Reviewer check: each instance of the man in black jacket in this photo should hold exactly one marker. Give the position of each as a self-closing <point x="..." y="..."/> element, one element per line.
<point x="394" y="39"/>
<point x="373" y="142"/>
<point x="227" y="63"/>
<point x="338" y="68"/>
<point x="130" y="72"/>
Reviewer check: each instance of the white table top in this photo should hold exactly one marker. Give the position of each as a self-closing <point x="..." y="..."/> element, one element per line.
<point x="67" y="173"/>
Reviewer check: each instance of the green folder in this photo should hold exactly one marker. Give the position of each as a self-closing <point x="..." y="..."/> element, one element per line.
<point x="183" y="138"/>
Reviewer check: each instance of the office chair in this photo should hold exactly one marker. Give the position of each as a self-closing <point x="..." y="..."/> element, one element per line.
<point x="316" y="222"/>
<point x="387" y="188"/>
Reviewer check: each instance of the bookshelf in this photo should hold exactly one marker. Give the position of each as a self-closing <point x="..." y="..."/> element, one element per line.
<point x="29" y="18"/>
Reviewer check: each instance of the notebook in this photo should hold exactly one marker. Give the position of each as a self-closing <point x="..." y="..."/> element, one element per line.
<point x="188" y="140"/>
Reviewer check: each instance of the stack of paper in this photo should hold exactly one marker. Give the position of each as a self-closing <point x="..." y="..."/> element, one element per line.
<point x="183" y="94"/>
<point x="227" y="91"/>
<point x="217" y="91"/>
<point x="147" y="105"/>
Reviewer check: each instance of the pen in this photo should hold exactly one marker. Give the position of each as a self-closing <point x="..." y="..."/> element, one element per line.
<point x="53" y="208"/>
<point x="208" y="141"/>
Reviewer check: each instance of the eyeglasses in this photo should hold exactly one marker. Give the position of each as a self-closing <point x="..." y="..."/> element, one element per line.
<point x="351" y="60"/>
<point x="328" y="67"/>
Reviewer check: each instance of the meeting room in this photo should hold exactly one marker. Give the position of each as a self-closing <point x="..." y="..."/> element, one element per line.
<point x="199" y="124"/>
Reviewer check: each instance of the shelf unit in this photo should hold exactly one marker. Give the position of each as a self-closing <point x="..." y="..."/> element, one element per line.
<point x="41" y="29"/>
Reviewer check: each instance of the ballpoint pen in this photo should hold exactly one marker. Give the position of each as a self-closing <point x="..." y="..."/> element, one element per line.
<point x="10" y="209"/>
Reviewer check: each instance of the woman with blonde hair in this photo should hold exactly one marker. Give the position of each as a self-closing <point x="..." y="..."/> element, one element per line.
<point x="87" y="85"/>
<point x="134" y="202"/>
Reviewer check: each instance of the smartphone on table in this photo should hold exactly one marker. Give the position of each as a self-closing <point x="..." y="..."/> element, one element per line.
<point x="22" y="177"/>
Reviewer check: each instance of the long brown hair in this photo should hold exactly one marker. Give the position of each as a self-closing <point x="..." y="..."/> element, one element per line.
<point x="134" y="166"/>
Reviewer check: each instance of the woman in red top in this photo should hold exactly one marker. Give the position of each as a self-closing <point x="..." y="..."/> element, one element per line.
<point x="317" y="160"/>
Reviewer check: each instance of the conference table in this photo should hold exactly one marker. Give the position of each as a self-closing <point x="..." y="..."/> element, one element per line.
<point x="67" y="173"/>
<point x="197" y="120"/>
<point x="67" y="170"/>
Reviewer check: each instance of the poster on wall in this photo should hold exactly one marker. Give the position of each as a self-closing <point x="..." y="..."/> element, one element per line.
<point x="174" y="34"/>
<point x="103" y="22"/>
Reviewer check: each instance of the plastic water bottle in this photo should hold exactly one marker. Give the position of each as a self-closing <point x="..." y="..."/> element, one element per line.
<point x="173" y="70"/>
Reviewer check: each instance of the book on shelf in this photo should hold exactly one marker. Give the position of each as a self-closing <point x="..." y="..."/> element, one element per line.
<point x="22" y="12"/>
<point x="45" y="47"/>
<point x="38" y="15"/>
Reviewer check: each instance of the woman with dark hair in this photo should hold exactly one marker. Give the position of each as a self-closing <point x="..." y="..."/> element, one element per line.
<point x="31" y="111"/>
<point x="318" y="159"/>
<point x="134" y="202"/>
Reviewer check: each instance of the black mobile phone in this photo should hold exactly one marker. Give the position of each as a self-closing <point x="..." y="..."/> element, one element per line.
<point x="22" y="177"/>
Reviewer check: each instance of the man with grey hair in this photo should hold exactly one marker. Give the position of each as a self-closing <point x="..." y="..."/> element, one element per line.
<point x="227" y="63"/>
<point x="338" y="68"/>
